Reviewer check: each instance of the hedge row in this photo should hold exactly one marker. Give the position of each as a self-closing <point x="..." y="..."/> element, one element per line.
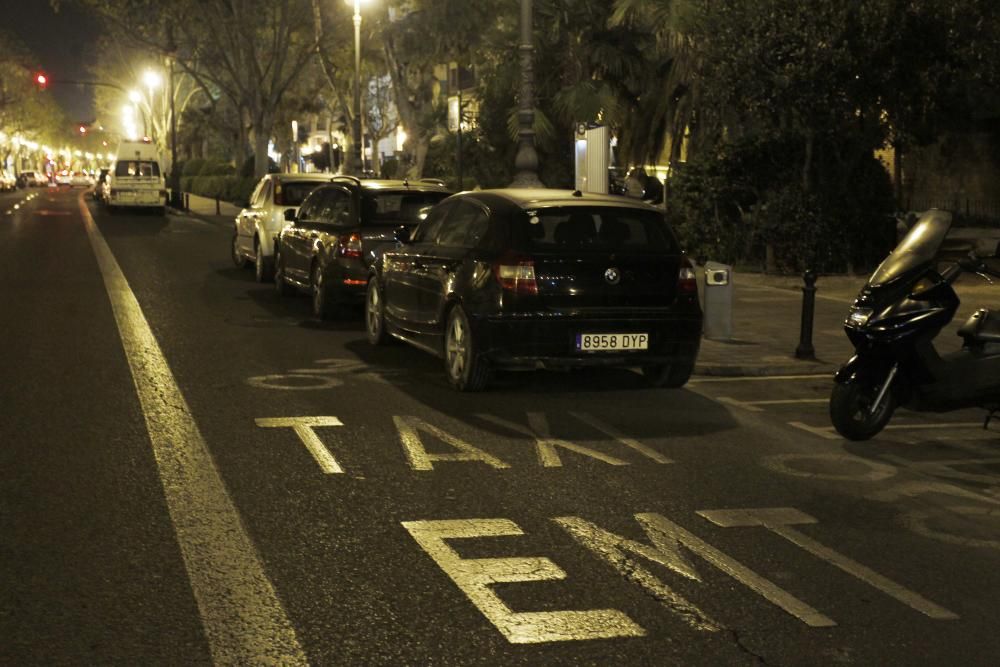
<point x="236" y="189"/>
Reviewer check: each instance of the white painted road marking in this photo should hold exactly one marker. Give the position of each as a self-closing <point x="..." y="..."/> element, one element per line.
<point x="303" y="427"/>
<point x="244" y="621"/>
<point x="420" y="459"/>
<point x="667" y="539"/>
<point x="779" y="521"/>
<point x="612" y="432"/>
<point x="759" y="378"/>
<point x="476" y="576"/>
<point x="546" y="445"/>
<point x="830" y="433"/>
<point x="754" y="406"/>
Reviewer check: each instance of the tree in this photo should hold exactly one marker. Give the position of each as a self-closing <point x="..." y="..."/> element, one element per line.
<point x="25" y="110"/>
<point x="251" y="51"/>
<point x="411" y="58"/>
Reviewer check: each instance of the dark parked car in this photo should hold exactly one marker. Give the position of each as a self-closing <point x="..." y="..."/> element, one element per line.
<point x="337" y="232"/>
<point x="522" y="278"/>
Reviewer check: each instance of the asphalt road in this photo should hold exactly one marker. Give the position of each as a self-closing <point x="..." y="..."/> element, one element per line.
<point x="194" y="471"/>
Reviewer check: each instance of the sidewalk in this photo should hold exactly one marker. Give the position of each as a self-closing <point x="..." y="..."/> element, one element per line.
<point x="205" y="209"/>
<point x="767" y="317"/>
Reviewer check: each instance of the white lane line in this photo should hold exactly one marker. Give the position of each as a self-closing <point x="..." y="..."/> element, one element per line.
<point x="760" y="378"/>
<point x="244" y="621"/>
<point x="753" y="406"/>
<point x="829" y="432"/>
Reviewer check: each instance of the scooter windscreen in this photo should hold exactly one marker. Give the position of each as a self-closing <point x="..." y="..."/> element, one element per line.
<point x="917" y="249"/>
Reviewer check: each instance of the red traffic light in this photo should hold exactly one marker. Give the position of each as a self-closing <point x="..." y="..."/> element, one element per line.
<point x="41" y="79"/>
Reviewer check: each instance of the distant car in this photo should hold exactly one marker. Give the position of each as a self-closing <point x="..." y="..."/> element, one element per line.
<point x="338" y="232"/>
<point x="79" y="179"/>
<point x="32" y="179"/>
<point x="7" y="181"/>
<point x="64" y="178"/>
<point x="523" y="278"/>
<point x="264" y="216"/>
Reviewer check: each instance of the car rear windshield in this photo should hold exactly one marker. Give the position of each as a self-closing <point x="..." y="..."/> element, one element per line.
<point x="292" y="193"/>
<point x="397" y="208"/>
<point x="597" y="229"/>
<point x="137" y="168"/>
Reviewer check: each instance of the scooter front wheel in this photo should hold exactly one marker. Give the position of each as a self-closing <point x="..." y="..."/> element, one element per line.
<point x="851" y="409"/>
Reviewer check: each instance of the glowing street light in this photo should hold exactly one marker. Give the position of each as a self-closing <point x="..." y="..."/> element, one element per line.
<point x="356" y="126"/>
<point x="152" y="79"/>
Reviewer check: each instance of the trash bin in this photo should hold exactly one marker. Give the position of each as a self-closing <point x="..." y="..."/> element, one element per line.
<point x="718" y="322"/>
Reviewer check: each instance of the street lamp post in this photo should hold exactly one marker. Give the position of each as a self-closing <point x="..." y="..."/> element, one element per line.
<point x="152" y="81"/>
<point x="134" y="97"/>
<point x="176" y="200"/>
<point x="356" y="125"/>
<point x="526" y="162"/>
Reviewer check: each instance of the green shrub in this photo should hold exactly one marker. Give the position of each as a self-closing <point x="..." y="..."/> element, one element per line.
<point x="192" y="167"/>
<point x="216" y="168"/>
<point x="390" y="167"/>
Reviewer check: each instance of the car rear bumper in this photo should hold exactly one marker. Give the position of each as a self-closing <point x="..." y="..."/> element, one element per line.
<point x="551" y="342"/>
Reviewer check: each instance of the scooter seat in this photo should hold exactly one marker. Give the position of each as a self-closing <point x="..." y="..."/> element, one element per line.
<point x="982" y="327"/>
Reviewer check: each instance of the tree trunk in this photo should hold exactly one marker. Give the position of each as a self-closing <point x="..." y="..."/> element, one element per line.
<point x="260" y="156"/>
<point x="807" y="164"/>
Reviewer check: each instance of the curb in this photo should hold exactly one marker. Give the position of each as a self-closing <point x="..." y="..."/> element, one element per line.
<point x="211" y="219"/>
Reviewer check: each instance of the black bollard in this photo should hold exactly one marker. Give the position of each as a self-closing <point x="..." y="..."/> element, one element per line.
<point x="217" y="205"/>
<point x="805" y="349"/>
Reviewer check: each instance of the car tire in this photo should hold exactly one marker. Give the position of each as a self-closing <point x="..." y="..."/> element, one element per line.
<point x="234" y="250"/>
<point x="673" y="375"/>
<point x="263" y="267"/>
<point x="281" y="287"/>
<point x="375" y="314"/>
<point x="466" y="368"/>
<point x="324" y="306"/>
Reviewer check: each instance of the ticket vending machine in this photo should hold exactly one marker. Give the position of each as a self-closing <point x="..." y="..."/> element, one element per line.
<point x="593" y="157"/>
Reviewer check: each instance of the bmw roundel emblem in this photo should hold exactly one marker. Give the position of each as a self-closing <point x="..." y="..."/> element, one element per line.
<point x="611" y="276"/>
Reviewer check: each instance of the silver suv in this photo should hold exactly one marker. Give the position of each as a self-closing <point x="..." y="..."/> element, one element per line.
<point x="264" y="216"/>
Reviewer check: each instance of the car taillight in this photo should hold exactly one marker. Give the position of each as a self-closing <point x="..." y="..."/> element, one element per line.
<point x="350" y="247"/>
<point x="516" y="275"/>
<point x="687" y="281"/>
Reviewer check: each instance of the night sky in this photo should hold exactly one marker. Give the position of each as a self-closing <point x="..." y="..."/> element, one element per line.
<point x="62" y="43"/>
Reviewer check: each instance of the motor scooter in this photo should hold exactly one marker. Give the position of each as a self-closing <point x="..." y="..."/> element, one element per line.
<point x="892" y="325"/>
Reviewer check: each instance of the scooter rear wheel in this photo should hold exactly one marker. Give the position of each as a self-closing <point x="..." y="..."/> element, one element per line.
<point x="850" y="409"/>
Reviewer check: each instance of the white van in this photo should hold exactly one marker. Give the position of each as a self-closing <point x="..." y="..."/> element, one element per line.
<point x="135" y="179"/>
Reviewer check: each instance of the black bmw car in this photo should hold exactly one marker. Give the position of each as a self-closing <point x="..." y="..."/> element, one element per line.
<point x="522" y="279"/>
<point x="331" y="241"/>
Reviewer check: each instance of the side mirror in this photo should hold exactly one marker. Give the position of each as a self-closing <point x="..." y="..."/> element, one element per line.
<point x="402" y="234"/>
<point x="289" y="215"/>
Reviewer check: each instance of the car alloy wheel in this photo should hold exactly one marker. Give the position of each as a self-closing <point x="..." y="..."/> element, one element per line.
<point x="467" y="370"/>
<point x="374" y="314"/>
<point x="262" y="269"/>
<point x="322" y="307"/>
<point x="280" y="286"/>
<point x="238" y="258"/>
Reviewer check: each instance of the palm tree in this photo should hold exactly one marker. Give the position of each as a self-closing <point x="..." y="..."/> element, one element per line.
<point x="665" y="100"/>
